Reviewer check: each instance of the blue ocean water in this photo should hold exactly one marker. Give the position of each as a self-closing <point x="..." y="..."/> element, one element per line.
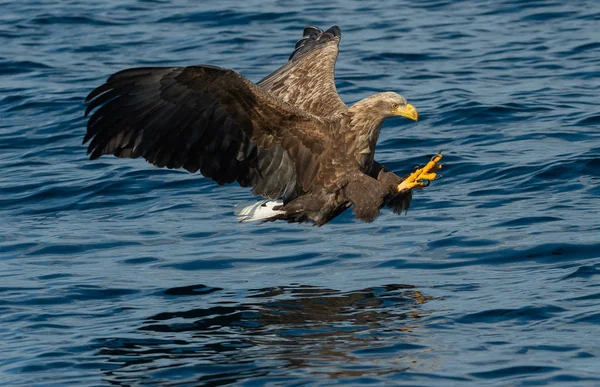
<point x="114" y="272"/>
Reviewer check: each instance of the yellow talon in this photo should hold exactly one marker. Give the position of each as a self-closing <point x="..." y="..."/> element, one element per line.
<point x="421" y="177"/>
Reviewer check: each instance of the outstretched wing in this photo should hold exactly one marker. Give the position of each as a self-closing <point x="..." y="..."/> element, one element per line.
<point x="209" y="119"/>
<point x="307" y="80"/>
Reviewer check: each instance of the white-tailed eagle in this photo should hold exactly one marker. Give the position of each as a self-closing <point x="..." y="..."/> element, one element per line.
<point x="290" y="137"/>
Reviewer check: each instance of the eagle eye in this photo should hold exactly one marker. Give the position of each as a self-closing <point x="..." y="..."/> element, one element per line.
<point x="395" y="106"/>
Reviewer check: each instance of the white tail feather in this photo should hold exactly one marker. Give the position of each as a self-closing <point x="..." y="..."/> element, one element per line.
<point x="260" y="210"/>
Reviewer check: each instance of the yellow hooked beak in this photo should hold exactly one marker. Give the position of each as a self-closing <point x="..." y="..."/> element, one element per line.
<point x="408" y="111"/>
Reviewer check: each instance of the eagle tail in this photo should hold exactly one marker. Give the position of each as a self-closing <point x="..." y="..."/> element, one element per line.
<point x="261" y="210"/>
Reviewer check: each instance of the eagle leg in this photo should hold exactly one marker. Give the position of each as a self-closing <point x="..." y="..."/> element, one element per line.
<point x="422" y="177"/>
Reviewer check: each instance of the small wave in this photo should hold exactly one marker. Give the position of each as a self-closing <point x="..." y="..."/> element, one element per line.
<point x="72" y="19"/>
<point x="402" y="57"/>
<point x="21" y="67"/>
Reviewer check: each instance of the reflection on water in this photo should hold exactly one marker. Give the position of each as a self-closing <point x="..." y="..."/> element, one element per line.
<point x="278" y="330"/>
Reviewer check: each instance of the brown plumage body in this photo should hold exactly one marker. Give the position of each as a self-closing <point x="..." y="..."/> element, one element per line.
<point x="289" y="136"/>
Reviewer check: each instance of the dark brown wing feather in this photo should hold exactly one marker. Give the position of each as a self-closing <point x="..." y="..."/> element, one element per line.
<point x="209" y="119"/>
<point x="307" y="80"/>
